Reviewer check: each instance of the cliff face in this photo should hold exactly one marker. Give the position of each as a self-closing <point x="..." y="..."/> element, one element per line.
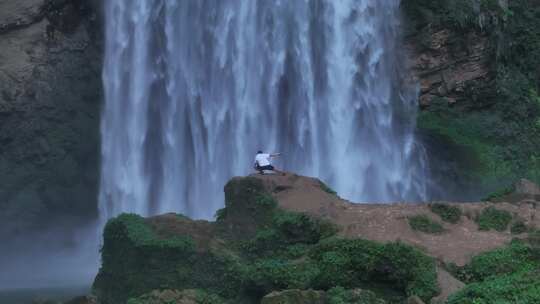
<point x="477" y="66"/>
<point x="50" y="93"/>
<point x="446" y="65"/>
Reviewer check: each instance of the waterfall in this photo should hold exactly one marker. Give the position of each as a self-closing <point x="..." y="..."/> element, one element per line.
<point x="194" y="88"/>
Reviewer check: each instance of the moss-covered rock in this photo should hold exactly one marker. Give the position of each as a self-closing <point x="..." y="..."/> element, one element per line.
<point x="295" y="296"/>
<point x="135" y="261"/>
<point x="177" y="297"/>
<point x="340" y="295"/>
<point x="253" y="249"/>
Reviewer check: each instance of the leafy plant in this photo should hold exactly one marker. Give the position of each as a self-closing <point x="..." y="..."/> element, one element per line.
<point x="499" y="194"/>
<point x="506" y="260"/>
<point x="448" y="213"/>
<point x="492" y="218"/>
<point x="340" y="295"/>
<point x="518" y="227"/>
<point x="425" y="224"/>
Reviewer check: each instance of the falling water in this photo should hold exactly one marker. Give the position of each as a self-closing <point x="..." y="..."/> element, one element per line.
<point x="194" y="88"/>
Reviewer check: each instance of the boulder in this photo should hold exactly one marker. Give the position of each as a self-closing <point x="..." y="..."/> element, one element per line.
<point x="295" y="296"/>
<point x="166" y="297"/>
<point x="414" y="300"/>
<point x="527" y="189"/>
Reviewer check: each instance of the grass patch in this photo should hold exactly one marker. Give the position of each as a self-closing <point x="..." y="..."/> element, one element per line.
<point x="492" y="218"/>
<point x="424" y="224"/>
<point x="448" y="213"/>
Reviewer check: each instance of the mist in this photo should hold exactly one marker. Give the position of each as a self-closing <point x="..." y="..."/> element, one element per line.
<point x="56" y="258"/>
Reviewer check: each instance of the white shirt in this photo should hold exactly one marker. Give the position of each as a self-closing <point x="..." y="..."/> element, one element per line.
<point x="263" y="159"/>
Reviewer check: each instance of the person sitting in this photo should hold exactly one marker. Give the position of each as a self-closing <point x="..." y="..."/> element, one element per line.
<point x="263" y="162"/>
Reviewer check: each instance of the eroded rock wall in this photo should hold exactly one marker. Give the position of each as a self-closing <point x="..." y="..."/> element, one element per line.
<point x="50" y="96"/>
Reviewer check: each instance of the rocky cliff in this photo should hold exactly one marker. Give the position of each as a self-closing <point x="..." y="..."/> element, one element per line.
<point x="50" y="94"/>
<point x="291" y="239"/>
<point x="476" y="63"/>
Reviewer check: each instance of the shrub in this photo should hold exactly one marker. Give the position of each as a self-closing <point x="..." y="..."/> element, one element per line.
<point x="507" y="260"/>
<point x="520" y="287"/>
<point x="350" y="263"/>
<point x="492" y="218"/>
<point x="448" y="213"/>
<point x="266" y="275"/>
<point x="518" y="227"/>
<point x="288" y="229"/>
<point x="425" y="224"/>
<point x="302" y="228"/>
<point x="136" y="261"/>
<point x="340" y="295"/>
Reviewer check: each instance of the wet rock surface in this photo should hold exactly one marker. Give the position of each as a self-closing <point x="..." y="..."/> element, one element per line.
<point x="50" y="94"/>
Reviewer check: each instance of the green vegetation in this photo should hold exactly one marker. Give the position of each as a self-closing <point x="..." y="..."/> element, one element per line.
<point x="174" y="296"/>
<point x="494" y="128"/>
<point x="327" y="189"/>
<point x="520" y="287"/>
<point x="340" y="295"/>
<point x="518" y="227"/>
<point x="349" y="263"/>
<point x="136" y="261"/>
<point x="505" y="275"/>
<point x="510" y="259"/>
<point x="246" y="259"/>
<point x="492" y="218"/>
<point x="425" y="224"/>
<point x="448" y="213"/>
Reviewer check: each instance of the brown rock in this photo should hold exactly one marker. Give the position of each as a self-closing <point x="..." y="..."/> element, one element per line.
<point x="527" y="188"/>
<point x="414" y="300"/>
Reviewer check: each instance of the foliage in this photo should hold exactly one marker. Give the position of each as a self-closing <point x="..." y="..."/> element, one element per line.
<point x="135" y="261"/>
<point x="287" y="231"/>
<point x="202" y="297"/>
<point x="348" y="263"/>
<point x="504" y="275"/>
<point x="492" y="218"/>
<point x="327" y="189"/>
<point x="518" y="227"/>
<point x="425" y="224"/>
<point x="134" y="228"/>
<point x="448" y="213"/>
<point x="506" y="260"/>
<point x="520" y="287"/>
<point x="340" y="295"/>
